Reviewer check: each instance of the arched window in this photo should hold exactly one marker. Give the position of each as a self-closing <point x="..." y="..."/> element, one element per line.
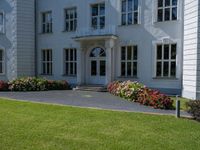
<point x="98" y="52"/>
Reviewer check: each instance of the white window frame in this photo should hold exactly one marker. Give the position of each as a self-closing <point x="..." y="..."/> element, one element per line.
<point x="3" y="61"/>
<point x="98" y="16"/>
<point x="2" y="31"/>
<point x="162" y="60"/>
<point x="167" y="7"/>
<point x="73" y="20"/>
<point x="69" y="61"/>
<point x="48" y="22"/>
<point x="126" y="61"/>
<point x="132" y="12"/>
<point x="46" y="62"/>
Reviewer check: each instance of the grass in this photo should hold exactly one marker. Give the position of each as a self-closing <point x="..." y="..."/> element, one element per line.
<point x="183" y="102"/>
<point x="33" y="126"/>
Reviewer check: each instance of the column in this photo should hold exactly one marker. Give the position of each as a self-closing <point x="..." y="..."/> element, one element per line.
<point x="109" y="46"/>
<point x="80" y="68"/>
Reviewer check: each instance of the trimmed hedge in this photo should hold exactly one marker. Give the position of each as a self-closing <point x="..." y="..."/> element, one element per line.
<point x="33" y="84"/>
<point x="136" y="92"/>
<point x="194" y="109"/>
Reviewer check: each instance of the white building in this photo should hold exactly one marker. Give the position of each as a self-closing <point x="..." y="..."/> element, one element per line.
<point x="155" y="42"/>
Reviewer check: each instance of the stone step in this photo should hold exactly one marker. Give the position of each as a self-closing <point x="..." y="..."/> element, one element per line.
<point x="94" y="88"/>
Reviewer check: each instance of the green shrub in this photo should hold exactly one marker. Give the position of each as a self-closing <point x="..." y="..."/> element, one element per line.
<point x="3" y="86"/>
<point x="194" y="109"/>
<point x="36" y="84"/>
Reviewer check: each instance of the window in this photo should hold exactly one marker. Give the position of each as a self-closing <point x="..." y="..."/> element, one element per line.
<point x="1" y="22"/>
<point x="47" y="62"/>
<point x="166" y="60"/>
<point x="98" y="16"/>
<point x="129" y="61"/>
<point x="47" y="22"/>
<point x="70" y="62"/>
<point x="70" y="19"/>
<point x="1" y="62"/>
<point x="130" y="9"/>
<point x="167" y="10"/>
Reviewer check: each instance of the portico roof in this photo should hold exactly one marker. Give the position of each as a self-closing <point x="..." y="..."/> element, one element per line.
<point x="95" y="37"/>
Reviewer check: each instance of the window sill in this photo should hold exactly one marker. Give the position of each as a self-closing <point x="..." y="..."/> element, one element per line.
<point x="129" y="25"/>
<point x="46" y="75"/>
<point x="165" y="78"/>
<point x="168" y="21"/>
<point x="49" y="33"/>
<point x="124" y="77"/>
<point x="65" y="31"/>
<point x="70" y="76"/>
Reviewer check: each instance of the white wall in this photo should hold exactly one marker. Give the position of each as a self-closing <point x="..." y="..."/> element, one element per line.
<point x="191" y="48"/>
<point x="145" y="35"/>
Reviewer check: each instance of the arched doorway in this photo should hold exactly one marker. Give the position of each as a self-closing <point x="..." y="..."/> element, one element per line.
<point x="97" y="66"/>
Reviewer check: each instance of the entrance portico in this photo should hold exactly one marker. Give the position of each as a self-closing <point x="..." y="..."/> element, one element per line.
<point x="95" y="61"/>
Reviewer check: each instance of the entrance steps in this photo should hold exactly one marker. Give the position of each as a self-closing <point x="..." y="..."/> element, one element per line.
<point x="94" y="88"/>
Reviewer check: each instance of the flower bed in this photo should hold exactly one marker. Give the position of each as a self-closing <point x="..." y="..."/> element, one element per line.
<point x="194" y="109"/>
<point x="136" y="92"/>
<point x="33" y="84"/>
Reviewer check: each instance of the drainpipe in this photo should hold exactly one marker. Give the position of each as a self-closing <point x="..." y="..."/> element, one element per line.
<point x="35" y="46"/>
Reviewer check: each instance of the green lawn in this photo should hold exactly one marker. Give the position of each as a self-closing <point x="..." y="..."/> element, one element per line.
<point x="183" y="102"/>
<point x="32" y="126"/>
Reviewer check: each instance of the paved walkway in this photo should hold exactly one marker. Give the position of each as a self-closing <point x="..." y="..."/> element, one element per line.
<point x="85" y="99"/>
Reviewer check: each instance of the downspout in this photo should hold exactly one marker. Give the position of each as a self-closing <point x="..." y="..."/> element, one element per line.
<point x="36" y="63"/>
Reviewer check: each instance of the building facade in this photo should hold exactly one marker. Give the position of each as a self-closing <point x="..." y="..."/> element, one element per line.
<point x="155" y="42"/>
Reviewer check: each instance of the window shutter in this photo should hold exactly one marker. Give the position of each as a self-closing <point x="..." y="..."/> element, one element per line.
<point x="154" y="12"/>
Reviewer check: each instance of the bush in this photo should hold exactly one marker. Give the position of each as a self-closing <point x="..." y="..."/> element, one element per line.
<point x="57" y="85"/>
<point x="3" y="86"/>
<point x="155" y="99"/>
<point x="36" y="84"/>
<point x="194" y="109"/>
<point x="127" y="90"/>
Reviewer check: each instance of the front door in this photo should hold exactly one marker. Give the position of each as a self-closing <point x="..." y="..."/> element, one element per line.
<point x="97" y="66"/>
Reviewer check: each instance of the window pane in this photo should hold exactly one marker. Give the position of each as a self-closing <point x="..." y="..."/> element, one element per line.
<point x="167" y="14"/>
<point x="95" y="10"/>
<point x="159" y="52"/>
<point x="123" y="5"/>
<point x="159" y="69"/>
<point x="136" y="18"/>
<point x="166" y="69"/>
<point x="75" y="54"/>
<point x="102" y="22"/>
<point x="1" y="55"/>
<point x="67" y="69"/>
<point x="123" y="53"/>
<point x="71" y="68"/>
<point x="129" y="69"/>
<point x="71" y="25"/>
<point x="123" y="19"/>
<point x="1" y="67"/>
<point x="130" y="5"/>
<point x="75" y="71"/>
<point x="102" y="68"/>
<point x="135" y="69"/>
<point x="94" y="23"/>
<point x="173" y="69"/>
<point x="1" y="19"/>
<point x="174" y="2"/>
<point x="43" y="68"/>
<point x="166" y="51"/>
<point x="160" y="15"/>
<point x="135" y="53"/>
<point x="174" y="13"/>
<point x="102" y="9"/>
<point x="93" y="68"/>
<point x="160" y="3"/>
<point x="71" y="55"/>
<point x="123" y="69"/>
<point x="67" y="55"/>
<point x="173" y="51"/>
<point x="129" y="53"/>
<point x="67" y="26"/>
<point x="135" y="5"/>
<point x="167" y="2"/>
<point x="130" y="18"/>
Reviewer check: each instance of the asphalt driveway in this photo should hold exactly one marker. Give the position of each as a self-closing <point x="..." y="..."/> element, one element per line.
<point x="85" y="99"/>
